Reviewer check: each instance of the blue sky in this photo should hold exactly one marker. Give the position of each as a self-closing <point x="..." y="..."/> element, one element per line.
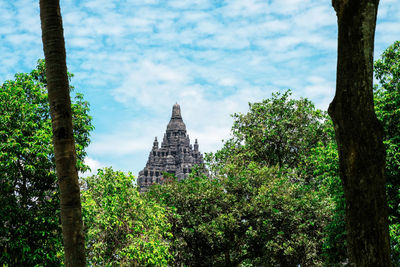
<point x="134" y="59"/>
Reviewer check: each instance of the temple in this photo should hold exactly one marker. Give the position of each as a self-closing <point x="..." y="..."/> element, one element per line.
<point x="175" y="156"/>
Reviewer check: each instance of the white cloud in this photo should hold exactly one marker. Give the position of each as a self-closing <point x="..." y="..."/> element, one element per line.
<point x="192" y="4"/>
<point x="321" y="89"/>
<point x="81" y="42"/>
<point x="101" y="6"/>
<point x="118" y="145"/>
<point x="315" y="18"/>
<point x="290" y="7"/>
<point x="148" y="83"/>
<point x="93" y="164"/>
<point x="237" y="8"/>
<point x="228" y="81"/>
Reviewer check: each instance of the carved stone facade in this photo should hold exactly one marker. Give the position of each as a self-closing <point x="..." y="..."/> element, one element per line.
<point x="175" y="156"/>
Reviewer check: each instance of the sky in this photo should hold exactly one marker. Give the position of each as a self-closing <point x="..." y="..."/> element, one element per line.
<point x="133" y="60"/>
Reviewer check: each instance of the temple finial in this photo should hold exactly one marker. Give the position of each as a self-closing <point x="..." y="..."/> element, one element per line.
<point x="176" y="112"/>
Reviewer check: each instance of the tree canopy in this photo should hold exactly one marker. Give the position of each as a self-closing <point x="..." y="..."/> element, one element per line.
<point x="121" y="226"/>
<point x="387" y="107"/>
<point x="272" y="194"/>
<point x="255" y="208"/>
<point x="30" y="231"/>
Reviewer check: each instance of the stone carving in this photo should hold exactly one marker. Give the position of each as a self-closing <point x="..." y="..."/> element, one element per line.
<point x="175" y="156"/>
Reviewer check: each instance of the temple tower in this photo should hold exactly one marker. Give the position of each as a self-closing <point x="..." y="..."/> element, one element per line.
<point x="175" y="156"/>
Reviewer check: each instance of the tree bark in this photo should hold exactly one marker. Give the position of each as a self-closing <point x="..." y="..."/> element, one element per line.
<point x="63" y="138"/>
<point x="359" y="135"/>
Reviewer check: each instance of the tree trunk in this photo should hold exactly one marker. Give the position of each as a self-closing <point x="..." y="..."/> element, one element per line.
<point x="359" y="135"/>
<point x="63" y="138"/>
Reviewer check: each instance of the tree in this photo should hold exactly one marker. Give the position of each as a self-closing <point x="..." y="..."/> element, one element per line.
<point x="277" y="131"/>
<point x="387" y="103"/>
<point x="30" y="232"/>
<point x="64" y="146"/>
<point x="322" y="164"/>
<point x="359" y="135"/>
<point x="122" y="226"/>
<point x="257" y="208"/>
<point x="257" y="216"/>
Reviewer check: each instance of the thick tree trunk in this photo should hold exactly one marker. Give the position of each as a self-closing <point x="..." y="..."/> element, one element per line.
<point x="360" y="136"/>
<point x="63" y="139"/>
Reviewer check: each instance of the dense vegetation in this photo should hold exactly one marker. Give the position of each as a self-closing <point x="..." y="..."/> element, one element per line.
<point x="121" y="227"/>
<point x="30" y="231"/>
<point x="387" y="107"/>
<point x="259" y="205"/>
<point x="271" y="195"/>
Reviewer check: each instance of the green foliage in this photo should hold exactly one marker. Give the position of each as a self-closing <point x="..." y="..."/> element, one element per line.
<point x="387" y="106"/>
<point x="323" y="166"/>
<point x="258" y="216"/>
<point x="274" y="196"/>
<point x="323" y="161"/>
<point x="277" y="131"/>
<point x="253" y="210"/>
<point x="194" y="203"/>
<point x="30" y="231"/>
<point x="122" y="227"/>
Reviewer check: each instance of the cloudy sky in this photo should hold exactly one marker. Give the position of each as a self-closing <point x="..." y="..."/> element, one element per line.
<point x="134" y="59"/>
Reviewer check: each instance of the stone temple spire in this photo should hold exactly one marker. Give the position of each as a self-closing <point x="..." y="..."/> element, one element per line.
<point x="175" y="156"/>
<point x="176" y="123"/>
<point x="176" y="112"/>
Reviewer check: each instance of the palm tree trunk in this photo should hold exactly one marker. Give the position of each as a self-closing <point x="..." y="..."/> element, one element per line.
<point x="63" y="139"/>
<point x="359" y="135"/>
